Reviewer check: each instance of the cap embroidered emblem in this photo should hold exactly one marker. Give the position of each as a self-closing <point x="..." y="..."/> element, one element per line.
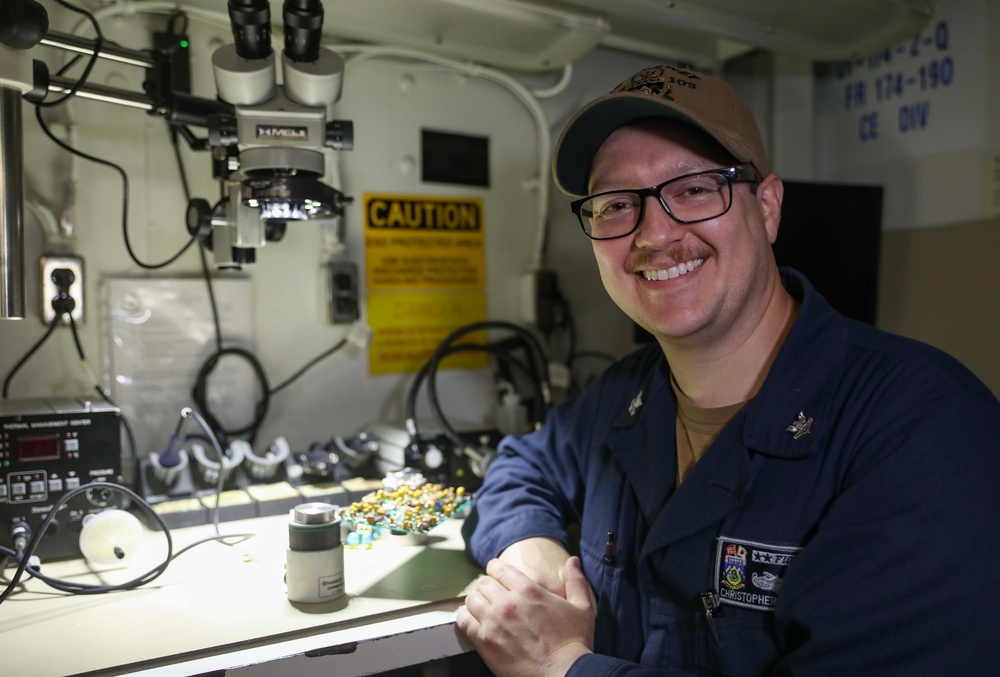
<point x="635" y="404"/>
<point x="801" y="426"/>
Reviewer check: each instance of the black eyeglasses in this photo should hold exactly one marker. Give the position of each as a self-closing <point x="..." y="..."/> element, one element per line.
<point x="688" y="199"/>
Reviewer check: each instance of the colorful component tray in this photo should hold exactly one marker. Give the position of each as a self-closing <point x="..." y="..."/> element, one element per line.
<point x="407" y="509"/>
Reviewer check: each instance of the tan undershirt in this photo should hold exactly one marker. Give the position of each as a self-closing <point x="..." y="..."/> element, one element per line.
<point x="697" y="428"/>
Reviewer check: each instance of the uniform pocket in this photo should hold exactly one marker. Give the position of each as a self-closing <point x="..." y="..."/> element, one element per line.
<point x="606" y="582"/>
<point x="605" y="628"/>
<point x="746" y="645"/>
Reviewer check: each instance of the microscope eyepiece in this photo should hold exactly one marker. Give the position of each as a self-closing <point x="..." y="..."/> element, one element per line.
<point x="251" y="24"/>
<point x="303" y="29"/>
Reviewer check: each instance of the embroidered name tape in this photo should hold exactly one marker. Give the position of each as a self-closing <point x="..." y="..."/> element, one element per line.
<point x="749" y="574"/>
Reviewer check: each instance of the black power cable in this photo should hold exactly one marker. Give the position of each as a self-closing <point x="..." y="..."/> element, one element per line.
<point x="498" y="353"/>
<point x="81" y="588"/>
<point x="31" y="351"/>
<point x="125" y="197"/>
<point x="98" y="45"/>
<point x="67" y="311"/>
<point x="537" y="370"/>
<point x="23" y="555"/>
<point x="308" y="365"/>
<point x="200" y="393"/>
<point x="133" y="449"/>
<point x="539" y="359"/>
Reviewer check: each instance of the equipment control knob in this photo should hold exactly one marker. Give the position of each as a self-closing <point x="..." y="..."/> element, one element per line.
<point x="199" y="217"/>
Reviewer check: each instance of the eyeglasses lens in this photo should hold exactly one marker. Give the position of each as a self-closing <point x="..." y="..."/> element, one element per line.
<point x="687" y="199"/>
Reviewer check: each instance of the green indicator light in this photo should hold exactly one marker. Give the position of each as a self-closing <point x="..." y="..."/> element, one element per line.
<point x="185" y="44"/>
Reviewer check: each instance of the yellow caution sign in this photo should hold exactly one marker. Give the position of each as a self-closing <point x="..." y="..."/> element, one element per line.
<point x="423" y="243"/>
<point x="425" y="268"/>
<point x="406" y="329"/>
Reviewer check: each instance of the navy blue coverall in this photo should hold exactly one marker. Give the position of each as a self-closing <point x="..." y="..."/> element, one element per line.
<point x="843" y="523"/>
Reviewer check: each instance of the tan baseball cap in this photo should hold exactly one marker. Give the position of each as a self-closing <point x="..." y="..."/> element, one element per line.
<point x="704" y="101"/>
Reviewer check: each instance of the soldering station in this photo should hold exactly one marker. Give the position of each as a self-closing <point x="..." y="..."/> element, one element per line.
<point x="127" y="490"/>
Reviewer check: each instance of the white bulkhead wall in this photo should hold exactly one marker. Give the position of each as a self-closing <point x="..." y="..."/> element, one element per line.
<point x="389" y="102"/>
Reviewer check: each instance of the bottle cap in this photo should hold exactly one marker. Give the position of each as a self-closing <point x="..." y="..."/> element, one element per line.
<point x="314" y="513"/>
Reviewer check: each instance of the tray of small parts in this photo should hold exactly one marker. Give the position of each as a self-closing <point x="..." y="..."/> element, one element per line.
<point x="407" y="508"/>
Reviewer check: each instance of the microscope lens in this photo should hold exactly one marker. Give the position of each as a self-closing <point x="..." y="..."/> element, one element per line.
<point x="303" y="29"/>
<point x="251" y="23"/>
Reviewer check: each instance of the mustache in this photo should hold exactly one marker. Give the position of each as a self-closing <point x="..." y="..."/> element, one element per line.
<point x="645" y="259"/>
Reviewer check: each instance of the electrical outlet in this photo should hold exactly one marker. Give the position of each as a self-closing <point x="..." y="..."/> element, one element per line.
<point x="49" y="288"/>
<point x="342" y="292"/>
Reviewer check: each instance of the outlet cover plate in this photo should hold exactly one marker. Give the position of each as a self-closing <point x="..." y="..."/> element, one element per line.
<point x="49" y="290"/>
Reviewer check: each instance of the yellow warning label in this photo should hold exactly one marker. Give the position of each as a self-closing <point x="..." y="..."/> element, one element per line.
<point x="407" y="328"/>
<point x="425" y="268"/>
<point x="423" y="243"/>
<point x="423" y="213"/>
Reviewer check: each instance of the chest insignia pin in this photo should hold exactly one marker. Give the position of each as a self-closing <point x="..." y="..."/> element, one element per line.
<point x="635" y="404"/>
<point x="801" y="426"/>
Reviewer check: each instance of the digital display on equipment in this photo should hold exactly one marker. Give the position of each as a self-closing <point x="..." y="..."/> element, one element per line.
<point x="38" y="448"/>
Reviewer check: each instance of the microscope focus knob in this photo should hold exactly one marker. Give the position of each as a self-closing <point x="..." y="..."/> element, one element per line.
<point x="199" y="217"/>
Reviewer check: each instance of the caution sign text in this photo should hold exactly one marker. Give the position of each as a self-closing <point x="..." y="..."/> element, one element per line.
<point x="425" y="269"/>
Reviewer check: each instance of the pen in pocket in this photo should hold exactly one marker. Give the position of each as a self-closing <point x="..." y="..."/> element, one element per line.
<point x="609" y="550"/>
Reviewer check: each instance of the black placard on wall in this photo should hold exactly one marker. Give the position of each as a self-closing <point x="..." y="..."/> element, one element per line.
<point x="833" y="234"/>
<point x="454" y="158"/>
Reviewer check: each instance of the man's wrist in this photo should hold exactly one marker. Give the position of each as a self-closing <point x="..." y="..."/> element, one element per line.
<point x="541" y="559"/>
<point x="564" y="659"/>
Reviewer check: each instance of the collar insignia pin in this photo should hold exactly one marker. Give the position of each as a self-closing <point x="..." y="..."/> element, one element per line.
<point x="635" y="404"/>
<point x="801" y="426"/>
